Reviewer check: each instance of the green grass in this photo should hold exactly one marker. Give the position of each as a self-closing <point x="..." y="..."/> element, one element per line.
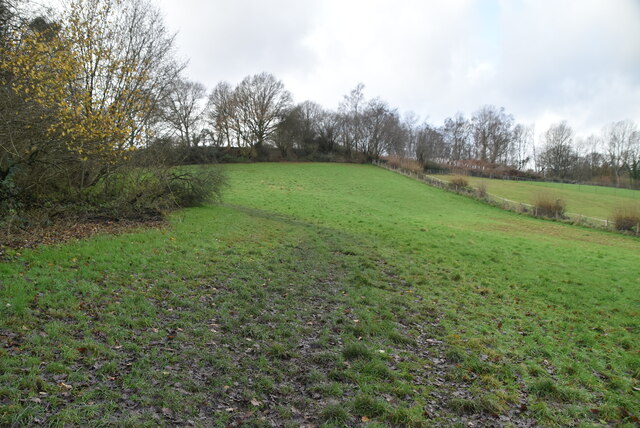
<point x="591" y="201"/>
<point x="325" y="294"/>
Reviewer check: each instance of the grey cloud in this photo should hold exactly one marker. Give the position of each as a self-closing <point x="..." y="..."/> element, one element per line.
<point x="575" y="60"/>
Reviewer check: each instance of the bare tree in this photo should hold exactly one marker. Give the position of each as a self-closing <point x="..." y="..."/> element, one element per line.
<point x="126" y="55"/>
<point x="408" y="146"/>
<point x="183" y="112"/>
<point x="591" y="161"/>
<point x="351" y="109"/>
<point x="492" y="134"/>
<point x="8" y="17"/>
<point x="431" y="146"/>
<point x="558" y="156"/>
<point x="328" y="128"/>
<point x="621" y="139"/>
<point x="456" y="133"/>
<point x="380" y="126"/>
<point x="261" y="102"/>
<point x="310" y="114"/>
<point x="220" y="115"/>
<point x="289" y="132"/>
<point x="521" y="146"/>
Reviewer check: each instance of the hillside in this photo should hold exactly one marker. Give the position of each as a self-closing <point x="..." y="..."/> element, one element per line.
<point x="592" y="201"/>
<point x="326" y="294"/>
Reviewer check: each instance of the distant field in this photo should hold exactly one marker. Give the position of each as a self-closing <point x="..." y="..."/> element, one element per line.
<point x="592" y="201"/>
<point x="326" y="295"/>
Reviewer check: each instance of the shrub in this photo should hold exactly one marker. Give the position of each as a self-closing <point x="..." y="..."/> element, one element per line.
<point x="459" y="182"/>
<point x="404" y="163"/>
<point x="191" y="188"/>
<point x="147" y="192"/>
<point x="546" y="205"/>
<point x="627" y="218"/>
<point x="481" y="190"/>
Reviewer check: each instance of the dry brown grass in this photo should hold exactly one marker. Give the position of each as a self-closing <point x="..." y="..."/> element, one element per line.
<point x="548" y="205"/>
<point x="481" y="190"/>
<point x="409" y="164"/>
<point x="627" y="218"/>
<point x="459" y="182"/>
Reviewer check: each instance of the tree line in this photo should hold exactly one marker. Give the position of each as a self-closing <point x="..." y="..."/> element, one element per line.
<point x="258" y="118"/>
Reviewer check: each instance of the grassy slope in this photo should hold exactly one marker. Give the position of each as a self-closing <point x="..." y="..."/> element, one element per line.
<point x="275" y="307"/>
<point x="593" y="201"/>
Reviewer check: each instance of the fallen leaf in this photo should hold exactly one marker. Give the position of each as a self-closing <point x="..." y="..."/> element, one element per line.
<point x="255" y="402"/>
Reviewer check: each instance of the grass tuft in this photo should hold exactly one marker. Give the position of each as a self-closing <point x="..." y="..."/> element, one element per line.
<point x="366" y="405"/>
<point x="488" y="404"/>
<point x="356" y="351"/>
<point x="548" y="388"/>
<point x="334" y="413"/>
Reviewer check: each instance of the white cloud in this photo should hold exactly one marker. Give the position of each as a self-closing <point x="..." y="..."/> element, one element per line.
<point x="573" y="60"/>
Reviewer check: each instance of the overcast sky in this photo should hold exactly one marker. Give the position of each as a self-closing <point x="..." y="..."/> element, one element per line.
<point x="543" y="61"/>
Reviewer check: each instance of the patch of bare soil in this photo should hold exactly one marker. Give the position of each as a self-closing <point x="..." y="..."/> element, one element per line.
<point x="68" y="230"/>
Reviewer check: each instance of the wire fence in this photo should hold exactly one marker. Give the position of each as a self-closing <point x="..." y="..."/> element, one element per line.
<point x="628" y="189"/>
<point x="507" y="204"/>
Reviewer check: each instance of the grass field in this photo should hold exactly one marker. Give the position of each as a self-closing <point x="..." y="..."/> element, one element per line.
<point x="592" y="201"/>
<point x="326" y="294"/>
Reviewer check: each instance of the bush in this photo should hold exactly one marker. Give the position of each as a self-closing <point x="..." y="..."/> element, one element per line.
<point x="404" y="163"/>
<point x="481" y="190"/>
<point x="627" y="218"/>
<point x="549" y="206"/>
<point x="191" y="188"/>
<point x="459" y="182"/>
<point x="148" y="192"/>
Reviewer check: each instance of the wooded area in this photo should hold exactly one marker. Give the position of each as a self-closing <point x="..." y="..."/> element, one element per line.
<point x="81" y="91"/>
<point x="95" y="110"/>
